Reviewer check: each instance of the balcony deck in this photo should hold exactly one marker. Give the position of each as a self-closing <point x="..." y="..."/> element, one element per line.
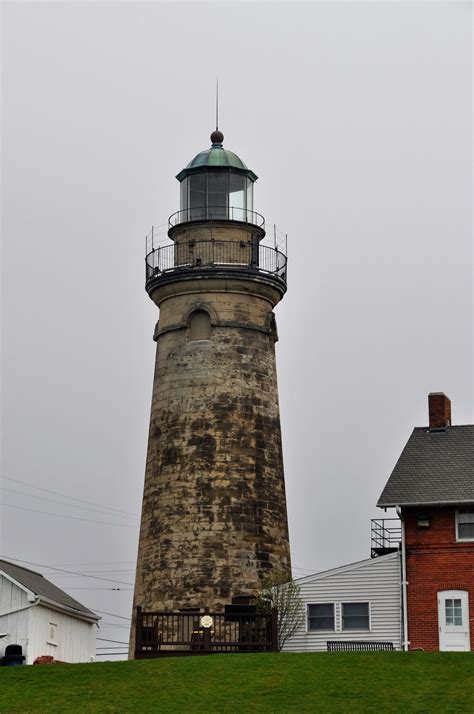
<point x="207" y="257"/>
<point x="215" y="241"/>
<point x="386" y="536"/>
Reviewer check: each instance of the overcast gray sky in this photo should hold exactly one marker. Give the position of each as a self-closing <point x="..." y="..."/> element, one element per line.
<point x="357" y="119"/>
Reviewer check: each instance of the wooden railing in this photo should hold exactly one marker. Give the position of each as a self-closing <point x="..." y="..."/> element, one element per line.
<point x="161" y="634"/>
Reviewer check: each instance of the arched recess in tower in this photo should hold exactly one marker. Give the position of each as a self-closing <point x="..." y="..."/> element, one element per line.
<point x="200" y="325"/>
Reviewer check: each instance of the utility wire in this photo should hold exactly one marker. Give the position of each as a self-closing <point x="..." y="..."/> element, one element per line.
<point x="73" y="518"/>
<point x="120" y="617"/>
<point x="116" y="562"/>
<point x="124" y="589"/>
<point x="86" y="572"/>
<point x="296" y="567"/>
<point x="42" y="565"/>
<point x="72" y="498"/>
<point x="61" y="503"/>
<point x="120" y="642"/>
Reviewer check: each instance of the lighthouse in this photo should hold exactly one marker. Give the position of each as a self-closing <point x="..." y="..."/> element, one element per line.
<point x="214" y="517"/>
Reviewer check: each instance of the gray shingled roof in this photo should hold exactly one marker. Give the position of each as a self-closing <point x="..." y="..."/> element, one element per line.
<point x="38" y="584"/>
<point x="435" y="467"/>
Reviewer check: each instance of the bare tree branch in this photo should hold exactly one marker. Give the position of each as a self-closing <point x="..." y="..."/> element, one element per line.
<point x="280" y="592"/>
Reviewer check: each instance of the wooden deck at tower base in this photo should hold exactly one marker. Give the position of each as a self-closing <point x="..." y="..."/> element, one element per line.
<point x="200" y="632"/>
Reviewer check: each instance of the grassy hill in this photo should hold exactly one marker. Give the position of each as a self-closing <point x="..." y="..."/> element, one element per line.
<point x="326" y="682"/>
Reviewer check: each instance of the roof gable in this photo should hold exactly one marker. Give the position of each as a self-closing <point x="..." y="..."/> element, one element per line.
<point x="30" y="595"/>
<point x="369" y="562"/>
<point x="436" y="467"/>
<point x="36" y="583"/>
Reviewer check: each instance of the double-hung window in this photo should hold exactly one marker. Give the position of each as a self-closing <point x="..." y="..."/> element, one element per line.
<point x="321" y="616"/>
<point x="355" y="616"/>
<point x="465" y="524"/>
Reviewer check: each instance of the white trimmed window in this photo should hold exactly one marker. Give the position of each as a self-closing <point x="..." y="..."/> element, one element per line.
<point x="355" y="616"/>
<point x="321" y="616"/>
<point x="465" y="524"/>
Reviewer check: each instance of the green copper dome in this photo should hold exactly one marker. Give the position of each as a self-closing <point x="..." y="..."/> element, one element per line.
<point x="216" y="158"/>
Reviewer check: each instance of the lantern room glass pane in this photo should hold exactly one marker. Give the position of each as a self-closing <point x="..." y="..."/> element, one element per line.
<point x="217" y="191"/>
<point x="197" y="196"/>
<point x="184" y="197"/>
<point x="249" y="199"/>
<point x="237" y="197"/>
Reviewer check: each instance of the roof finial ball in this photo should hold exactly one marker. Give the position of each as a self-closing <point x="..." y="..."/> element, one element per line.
<point x="217" y="137"/>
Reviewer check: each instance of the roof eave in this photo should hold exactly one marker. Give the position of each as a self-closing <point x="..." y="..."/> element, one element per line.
<point x="80" y="614"/>
<point x="367" y="562"/>
<point x="404" y="504"/>
<point x="198" y="169"/>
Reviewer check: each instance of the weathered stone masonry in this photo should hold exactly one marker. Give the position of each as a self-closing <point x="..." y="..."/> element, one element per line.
<point x="214" y="519"/>
<point x="214" y="509"/>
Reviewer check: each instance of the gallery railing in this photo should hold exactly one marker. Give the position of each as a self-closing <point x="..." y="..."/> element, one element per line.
<point x="203" y="632"/>
<point x="216" y="213"/>
<point x="240" y="256"/>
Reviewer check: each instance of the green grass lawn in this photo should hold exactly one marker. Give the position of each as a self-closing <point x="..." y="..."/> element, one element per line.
<point x="323" y="682"/>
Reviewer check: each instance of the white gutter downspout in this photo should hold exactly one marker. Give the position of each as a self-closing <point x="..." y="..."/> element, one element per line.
<point x="405" y="642"/>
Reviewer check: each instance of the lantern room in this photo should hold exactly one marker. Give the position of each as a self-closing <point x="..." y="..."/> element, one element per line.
<point x="216" y="185"/>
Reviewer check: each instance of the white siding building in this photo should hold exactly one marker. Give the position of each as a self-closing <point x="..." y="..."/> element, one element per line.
<point x="42" y="618"/>
<point x="360" y="601"/>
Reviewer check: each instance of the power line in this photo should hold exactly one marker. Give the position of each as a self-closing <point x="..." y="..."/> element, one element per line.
<point x="120" y="617"/>
<point x="108" y="589"/>
<point x="296" y="567"/>
<point x="85" y="572"/>
<point x="61" y="503"/>
<point x="73" y="518"/>
<point x="42" y="565"/>
<point x="72" y="498"/>
<point x="119" y="642"/>
<point x="116" y="562"/>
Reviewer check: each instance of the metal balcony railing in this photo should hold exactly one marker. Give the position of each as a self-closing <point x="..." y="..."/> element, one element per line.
<point x="385" y="536"/>
<point x="239" y="256"/>
<point x="216" y="213"/>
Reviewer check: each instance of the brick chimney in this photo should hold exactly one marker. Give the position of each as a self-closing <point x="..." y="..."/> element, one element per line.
<point x="439" y="408"/>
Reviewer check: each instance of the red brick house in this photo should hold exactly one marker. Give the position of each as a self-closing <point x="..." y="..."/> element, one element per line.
<point x="432" y="488"/>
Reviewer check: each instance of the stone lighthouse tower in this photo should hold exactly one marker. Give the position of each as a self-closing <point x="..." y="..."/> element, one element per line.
<point x="214" y="518"/>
